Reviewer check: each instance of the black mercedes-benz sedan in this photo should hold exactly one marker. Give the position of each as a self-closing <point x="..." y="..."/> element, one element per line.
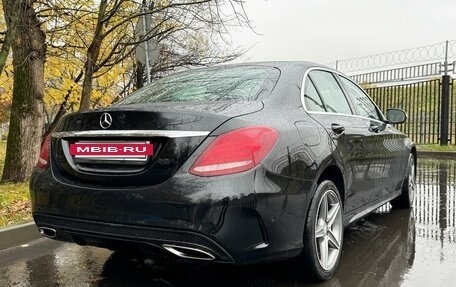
<point x="241" y="164"/>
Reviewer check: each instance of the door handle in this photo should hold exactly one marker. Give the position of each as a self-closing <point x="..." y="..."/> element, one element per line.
<point x="338" y="129"/>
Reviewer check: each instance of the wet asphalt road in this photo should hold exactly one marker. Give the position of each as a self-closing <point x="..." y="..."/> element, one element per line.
<point x="389" y="248"/>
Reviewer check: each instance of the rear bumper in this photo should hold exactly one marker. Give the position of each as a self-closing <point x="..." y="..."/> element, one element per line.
<point x="224" y="217"/>
<point x="111" y="235"/>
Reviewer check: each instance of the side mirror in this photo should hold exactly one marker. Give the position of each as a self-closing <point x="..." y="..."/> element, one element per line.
<point x="396" y="116"/>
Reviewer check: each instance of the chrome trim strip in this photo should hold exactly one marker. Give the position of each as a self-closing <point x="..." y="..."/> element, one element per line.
<point x="329" y="113"/>
<point x="76" y="167"/>
<point x="132" y="133"/>
<point x="174" y="250"/>
<point x="66" y="153"/>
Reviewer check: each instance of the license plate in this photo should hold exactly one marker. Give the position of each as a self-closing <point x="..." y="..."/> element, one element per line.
<point x="112" y="150"/>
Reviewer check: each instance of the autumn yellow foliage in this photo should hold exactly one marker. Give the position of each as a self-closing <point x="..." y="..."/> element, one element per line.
<point x="68" y="40"/>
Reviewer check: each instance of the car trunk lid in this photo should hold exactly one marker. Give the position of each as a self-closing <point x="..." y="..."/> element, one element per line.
<point x="173" y="130"/>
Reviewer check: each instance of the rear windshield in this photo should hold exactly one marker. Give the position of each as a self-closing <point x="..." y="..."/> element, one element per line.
<point x="245" y="83"/>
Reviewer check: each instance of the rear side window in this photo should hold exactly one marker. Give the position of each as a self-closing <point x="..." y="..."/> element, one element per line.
<point x="244" y="83"/>
<point x="363" y="105"/>
<point x="312" y="98"/>
<point x="330" y="92"/>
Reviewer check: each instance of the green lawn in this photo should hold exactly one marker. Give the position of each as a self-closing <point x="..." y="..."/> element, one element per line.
<point x="14" y="198"/>
<point x="436" y="147"/>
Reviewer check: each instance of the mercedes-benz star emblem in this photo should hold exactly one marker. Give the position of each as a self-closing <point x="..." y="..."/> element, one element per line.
<point x="105" y="121"/>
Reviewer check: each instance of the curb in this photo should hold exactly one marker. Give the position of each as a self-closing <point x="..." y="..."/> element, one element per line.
<point x="18" y="234"/>
<point x="437" y="154"/>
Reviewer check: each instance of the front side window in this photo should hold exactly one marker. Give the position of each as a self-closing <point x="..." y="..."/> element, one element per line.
<point x="363" y="104"/>
<point x="330" y="92"/>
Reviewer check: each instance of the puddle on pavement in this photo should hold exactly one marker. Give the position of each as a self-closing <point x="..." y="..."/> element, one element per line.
<point x="389" y="248"/>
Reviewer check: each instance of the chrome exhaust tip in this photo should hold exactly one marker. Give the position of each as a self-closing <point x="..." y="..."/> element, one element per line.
<point x="189" y="252"/>
<point x="48" y="232"/>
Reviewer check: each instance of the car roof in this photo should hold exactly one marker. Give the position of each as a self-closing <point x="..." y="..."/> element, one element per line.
<point x="288" y="65"/>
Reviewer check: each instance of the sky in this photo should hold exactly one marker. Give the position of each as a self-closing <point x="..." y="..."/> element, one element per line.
<point x="323" y="31"/>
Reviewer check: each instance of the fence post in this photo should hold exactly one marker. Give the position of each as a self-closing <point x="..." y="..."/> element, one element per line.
<point x="422" y="125"/>
<point x="445" y="102"/>
<point x="445" y="110"/>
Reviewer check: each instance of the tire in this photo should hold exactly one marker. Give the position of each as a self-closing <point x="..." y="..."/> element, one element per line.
<point x="407" y="196"/>
<point x="410" y="240"/>
<point x="323" y="235"/>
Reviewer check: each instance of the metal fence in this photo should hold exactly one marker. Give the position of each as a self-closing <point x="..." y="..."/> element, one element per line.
<point x="422" y="102"/>
<point x="416" y="82"/>
<point x="438" y="52"/>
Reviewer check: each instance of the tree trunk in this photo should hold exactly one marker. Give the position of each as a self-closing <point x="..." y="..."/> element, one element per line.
<point x="62" y="109"/>
<point x="93" y="53"/>
<point x="139" y="75"/>
<point x="4" y="51"/>
<point x="87" y="85"/>
<point x="27" y="110"/>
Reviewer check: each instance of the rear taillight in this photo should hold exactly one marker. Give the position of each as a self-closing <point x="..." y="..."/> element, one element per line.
<point x="235" y="151"/>
<point x="43" y="160"/>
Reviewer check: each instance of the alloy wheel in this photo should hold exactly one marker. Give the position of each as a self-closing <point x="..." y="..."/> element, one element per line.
<point x="328" y="229"/>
